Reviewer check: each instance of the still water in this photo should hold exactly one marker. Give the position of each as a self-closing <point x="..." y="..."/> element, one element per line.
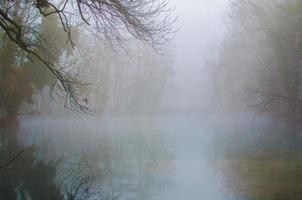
<point x="133" y="157"/>
<point x="217" y="157"/>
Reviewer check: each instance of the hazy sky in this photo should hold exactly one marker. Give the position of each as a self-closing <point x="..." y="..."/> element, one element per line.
<point x="201" y="29"/>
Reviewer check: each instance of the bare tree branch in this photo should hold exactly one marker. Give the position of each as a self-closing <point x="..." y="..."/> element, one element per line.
<point x="8" y="163"/>
<point x="147" y="20"/>
<point x="278" y="96"/>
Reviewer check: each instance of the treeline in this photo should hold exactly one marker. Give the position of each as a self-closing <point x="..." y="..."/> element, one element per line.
<point x="117" y="80"/>
<point x="59" y="49"/>
<point x="21" y="76"/>
<point x="259" y="66"/>
<point x="260" y="69"/>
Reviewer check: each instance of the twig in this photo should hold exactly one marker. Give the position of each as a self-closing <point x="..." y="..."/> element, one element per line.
<point x="12" y="159"/>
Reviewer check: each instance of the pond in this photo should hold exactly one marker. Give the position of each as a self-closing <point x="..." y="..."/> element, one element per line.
<point x="234" y="156"/>
<point x="139" y="157"/>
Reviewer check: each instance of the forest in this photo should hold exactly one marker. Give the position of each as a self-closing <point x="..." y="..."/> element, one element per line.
<point x="69" y="55"/>
<point x="150" y="99"/>
<point x="259" y="67"/>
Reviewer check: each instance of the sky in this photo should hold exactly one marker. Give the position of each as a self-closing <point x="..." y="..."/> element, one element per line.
<point x="201" y="29"/>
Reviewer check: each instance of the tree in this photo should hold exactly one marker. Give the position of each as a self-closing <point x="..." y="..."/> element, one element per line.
<point x="122" y="81"/>
<point x="37" y="41"/>
<point x="260" y="64"/>
<point x="114" y="20"/>
<point x="21" y="173"/>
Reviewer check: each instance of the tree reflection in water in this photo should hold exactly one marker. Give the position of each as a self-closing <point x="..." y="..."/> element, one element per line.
<point x="259" y="168"/>
<point x="111" y="159"/>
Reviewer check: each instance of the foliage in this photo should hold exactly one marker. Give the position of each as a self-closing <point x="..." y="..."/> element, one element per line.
<point x="112" y="20"/>
<point x="259" y="67"/>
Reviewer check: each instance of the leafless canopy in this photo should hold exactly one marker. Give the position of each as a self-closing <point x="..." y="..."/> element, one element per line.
<point x="114" y="20"/>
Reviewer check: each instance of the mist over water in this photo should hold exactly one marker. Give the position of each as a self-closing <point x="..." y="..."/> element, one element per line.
<point x="164" y="155"/>
<point x="216" y="117"/>
<point x="175" y="150"/>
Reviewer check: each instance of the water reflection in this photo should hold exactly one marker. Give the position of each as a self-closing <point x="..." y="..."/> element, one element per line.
<point x="102" y="158"/>
<point x="128" y="158"/>
<point x="244" y="157"/>
<point x="261" y="163"/>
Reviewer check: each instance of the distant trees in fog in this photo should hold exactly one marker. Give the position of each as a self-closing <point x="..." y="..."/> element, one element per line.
<point x="260" y="68"/>
<point x="38" y="50"/>
<point x="125" y="81"/>
<point x="116" y="80"/>
<point x="260" y="62"/>
<point x="21" y="21"/>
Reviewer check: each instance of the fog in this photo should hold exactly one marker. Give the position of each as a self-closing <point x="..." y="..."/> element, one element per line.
<point x="138" y="100"/>
<point x="201" y="30"/>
